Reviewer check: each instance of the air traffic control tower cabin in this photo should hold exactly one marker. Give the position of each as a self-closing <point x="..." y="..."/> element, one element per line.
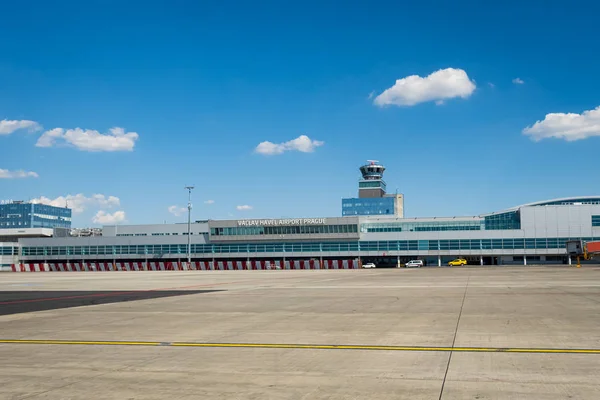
<point x="372" y="197"/>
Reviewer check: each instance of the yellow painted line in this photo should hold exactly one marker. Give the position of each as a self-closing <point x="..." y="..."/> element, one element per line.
<point x="302" y="346"/>
<point x="78" y="342"/>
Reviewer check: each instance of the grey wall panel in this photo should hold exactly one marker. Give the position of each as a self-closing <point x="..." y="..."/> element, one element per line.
<point x="114" y="230"/>
<point x="107" y="241"/>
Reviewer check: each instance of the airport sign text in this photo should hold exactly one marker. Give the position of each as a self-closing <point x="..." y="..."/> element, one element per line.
<point x="281" y="222"/>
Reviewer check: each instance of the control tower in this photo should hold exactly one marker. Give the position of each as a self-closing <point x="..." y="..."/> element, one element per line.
<point x="372" y="196"/>
<point x="372" y="183"/>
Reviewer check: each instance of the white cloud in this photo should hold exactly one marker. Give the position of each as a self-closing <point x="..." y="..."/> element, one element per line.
<point x="104" y="218"/>
<point x="518" y="81"/>
<point x="440" y="85"/>
<point x="6" y="174"/>
<point x="244" y="208"/>
<point x="490" y="84"/>
<point x="569" y="127"/>
<point x="371" y="95"/>
<point x="79" y="202"/>
<point x="90" y="140"/>
<point x="209" y="202"/>
<point x="9" y="126"/>
<point x="177" y="211"/>
<point x="302" y="143"/>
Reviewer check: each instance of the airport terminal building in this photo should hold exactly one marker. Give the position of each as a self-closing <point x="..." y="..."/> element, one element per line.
<point x="534" y="233"/>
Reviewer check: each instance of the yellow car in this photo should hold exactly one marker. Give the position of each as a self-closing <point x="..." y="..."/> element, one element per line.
<point x="457" y="263"/>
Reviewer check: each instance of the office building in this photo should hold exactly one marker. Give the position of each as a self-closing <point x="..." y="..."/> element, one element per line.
<point x="19" y="215"/>
<point x="372" y="195"/>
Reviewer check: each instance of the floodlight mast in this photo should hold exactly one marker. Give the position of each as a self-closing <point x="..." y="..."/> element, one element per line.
<point x="189" y="233"/>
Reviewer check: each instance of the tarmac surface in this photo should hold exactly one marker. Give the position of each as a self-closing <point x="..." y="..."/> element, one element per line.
<point x="428" y="333"/>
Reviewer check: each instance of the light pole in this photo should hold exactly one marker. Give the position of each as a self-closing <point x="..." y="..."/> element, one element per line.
<point x="189" y="235"/>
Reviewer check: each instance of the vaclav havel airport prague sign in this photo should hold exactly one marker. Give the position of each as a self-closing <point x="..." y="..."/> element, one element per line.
<point x="281" y="222"/>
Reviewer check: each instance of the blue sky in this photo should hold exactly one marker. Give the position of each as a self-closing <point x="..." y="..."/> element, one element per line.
<point x="202" y="85"/>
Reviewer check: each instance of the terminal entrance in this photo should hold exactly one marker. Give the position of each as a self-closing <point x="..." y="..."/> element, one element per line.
<point x="428" y="261"/>
<point x="381" y="261"/>
<point x="490" y="260"/>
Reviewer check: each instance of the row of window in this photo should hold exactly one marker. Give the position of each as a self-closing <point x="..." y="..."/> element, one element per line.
<point x="37" y="223"/>
<point x="50" y="217"/>
<point x="156" y="234"/>
<point x="283" y="230"/>
<point x="7" y="216"/>
<point x="379" y="246"/>
<point x="430" y="226"/>
<point x="372" y="184"/>
<point x="15" y="223"/>
<point x="595" y="220"/>
<point x="9" y="251"/>
<point x="375" y="203"/>
<point x="570" y="202"/>
<point x="507" y="220"/>
<point x="370" y="210"/>
<point x="375" y="206"/>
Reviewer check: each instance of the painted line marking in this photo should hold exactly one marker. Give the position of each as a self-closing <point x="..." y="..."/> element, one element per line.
<point x="500" y="286"/>
<point x="302" y="346"/>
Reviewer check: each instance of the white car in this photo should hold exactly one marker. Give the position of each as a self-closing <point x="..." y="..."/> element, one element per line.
<point x="369" y="265"/>
<point x="414" y="263"/>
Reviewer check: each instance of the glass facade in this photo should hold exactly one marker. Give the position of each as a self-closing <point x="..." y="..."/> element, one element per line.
<point x="283" y="230"/>
<point x="569" y="202"/>
<point x="595" y="220"/>
<point x="424" y="226"/>
<point x="507" y="220"/>
<point x="28" y="215"/>
<point x="312" y="247"/>
<point x="368" y="206"/>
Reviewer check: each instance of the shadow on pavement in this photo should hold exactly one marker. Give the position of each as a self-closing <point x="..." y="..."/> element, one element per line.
<point x="16" y="302"/>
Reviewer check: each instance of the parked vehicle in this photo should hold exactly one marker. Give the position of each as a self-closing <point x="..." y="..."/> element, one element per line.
<point x="457" y="263"/>
<point x="414" y="263"/>
<point x="369" y="265"/>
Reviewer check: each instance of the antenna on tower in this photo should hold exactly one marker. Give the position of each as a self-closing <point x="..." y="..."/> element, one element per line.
<point x="373" y="162"/>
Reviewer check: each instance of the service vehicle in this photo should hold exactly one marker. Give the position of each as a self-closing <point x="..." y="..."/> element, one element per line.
<point x="414" y="263"/>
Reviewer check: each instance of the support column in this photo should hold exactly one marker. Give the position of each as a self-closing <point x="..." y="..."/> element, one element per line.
<point x="398" y="261"/>
<point x="439" y="261"/>
<point x="524" y="260"/>
<point x="570" y="260"/>
<point x="480" y="260"/>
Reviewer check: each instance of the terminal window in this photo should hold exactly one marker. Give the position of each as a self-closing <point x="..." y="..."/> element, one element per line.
<point x="423" y="226"/>
<point x="570" y="202"/>
<point x="507" y="220"/>
<point x="283" y="230"/>
<point x="75" y="252"/>
<point x="9" y="251"/>
<point x="595" y="220"/>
